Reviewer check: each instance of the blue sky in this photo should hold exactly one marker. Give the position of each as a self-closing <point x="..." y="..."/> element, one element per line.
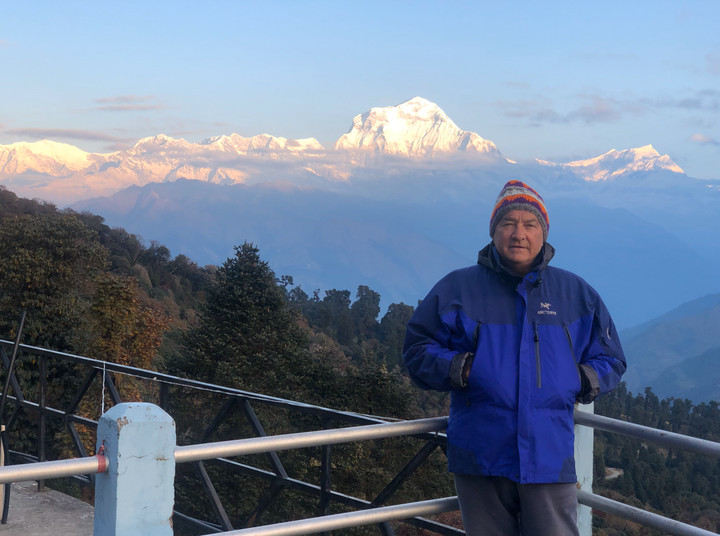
<point x="552" y="80"/>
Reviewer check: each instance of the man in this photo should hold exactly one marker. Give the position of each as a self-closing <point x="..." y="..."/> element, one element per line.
<point x="517" y="343"/>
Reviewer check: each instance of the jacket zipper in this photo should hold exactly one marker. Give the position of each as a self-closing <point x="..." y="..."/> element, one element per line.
<point x="572" y="351"/>
<point x="537" y="356"/>
<point x="476" y="338"/>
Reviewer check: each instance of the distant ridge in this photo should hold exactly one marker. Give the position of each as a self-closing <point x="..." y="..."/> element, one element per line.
<point x="671" y="353"/>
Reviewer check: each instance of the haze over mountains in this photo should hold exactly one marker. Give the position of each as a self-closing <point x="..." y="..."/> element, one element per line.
<point x="401" y="199"/>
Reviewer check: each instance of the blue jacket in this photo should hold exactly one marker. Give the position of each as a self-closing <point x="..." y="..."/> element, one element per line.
<point x="534" y="346"/>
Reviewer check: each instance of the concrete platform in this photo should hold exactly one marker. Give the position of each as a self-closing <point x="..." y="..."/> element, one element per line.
<point x="46" y="513"/>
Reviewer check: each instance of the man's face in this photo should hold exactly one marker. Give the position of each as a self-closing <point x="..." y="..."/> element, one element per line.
<point x="518" y="239"/>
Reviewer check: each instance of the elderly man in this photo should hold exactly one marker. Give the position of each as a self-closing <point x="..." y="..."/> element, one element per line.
<point x="517" y="343"/>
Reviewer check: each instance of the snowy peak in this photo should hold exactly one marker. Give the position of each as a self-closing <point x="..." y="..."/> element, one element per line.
<point x="50" y="149"/>
<point x="414" y="128"/>
<point x="613" y="164"/>
<point x="44" y="156"/>
<point x="160" y="145"/>
<point x="261" y="143"/>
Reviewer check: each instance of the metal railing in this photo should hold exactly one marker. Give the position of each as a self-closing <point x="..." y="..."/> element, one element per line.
<point x="369" y="512"/>
<point x="163" y="389"/>
<point x="53" y="469"/>
<point x="657" y="437"/>
<point x="651" y="435"/>
<point x="261" y="445"/>
<point x="352" y="519"/>
<point x="191" y="453"/>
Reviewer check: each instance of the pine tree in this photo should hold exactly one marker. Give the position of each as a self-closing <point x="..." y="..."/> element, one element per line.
<point x="247" y="335"/>
<point x="364" y="312"/>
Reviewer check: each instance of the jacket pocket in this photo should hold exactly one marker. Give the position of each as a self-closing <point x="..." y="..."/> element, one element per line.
<point x="572" y="352"/>
<point x="476" y="341"/>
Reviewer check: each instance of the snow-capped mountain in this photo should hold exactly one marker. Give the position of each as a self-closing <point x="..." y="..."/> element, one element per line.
<point x="613" y="164"/>
<point x="48" y="157"/>
<point x="415" y="128"/>
<point x="262" y="143"/>
<point x="63" y="173"/>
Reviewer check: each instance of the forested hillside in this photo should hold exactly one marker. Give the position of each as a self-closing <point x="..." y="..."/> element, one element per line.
<point x="672" y="482"/>
<point x="92" y="290"/>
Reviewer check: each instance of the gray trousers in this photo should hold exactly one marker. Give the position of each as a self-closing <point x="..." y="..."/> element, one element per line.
<point x="497" y="506"/>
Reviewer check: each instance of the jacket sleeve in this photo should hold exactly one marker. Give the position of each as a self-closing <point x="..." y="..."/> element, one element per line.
<point x="430" y="361"/>
<point x="603" y="363"/>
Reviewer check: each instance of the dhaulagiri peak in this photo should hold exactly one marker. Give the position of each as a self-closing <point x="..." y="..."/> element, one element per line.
<point x="416" y="127"/>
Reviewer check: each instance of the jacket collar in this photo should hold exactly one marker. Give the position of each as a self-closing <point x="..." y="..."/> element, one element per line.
<point x="490" y="258"/>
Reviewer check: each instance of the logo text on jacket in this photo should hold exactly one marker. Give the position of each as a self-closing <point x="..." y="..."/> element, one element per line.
<point x="545" y="309"/>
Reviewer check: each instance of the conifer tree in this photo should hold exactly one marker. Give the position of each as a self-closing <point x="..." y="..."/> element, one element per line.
<point x="247" y="335"/>
<point x="364" y="311"/>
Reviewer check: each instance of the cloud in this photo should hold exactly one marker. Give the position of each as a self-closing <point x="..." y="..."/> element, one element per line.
<point x="592" y="109"/>
<point x="703" y="100"/>
<point x="704" y="140"/>
<point x="598" y="110"/>
<point x="45" y="133"/>
<point x="536" y="111"/>
<point x="128" y="103"/>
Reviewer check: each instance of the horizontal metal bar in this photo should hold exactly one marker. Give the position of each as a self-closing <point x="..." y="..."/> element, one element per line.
<point x="335" y="496"/>
<point x="651" y="435"/>
<point x="648" y="519"/>
<point x="23" y="458"/>
<point x="256" y="445"/>
<point x="52" y="412"/>
<point x="194" y="384"/>
<point x="351" y="519"/>
<point x="53" y="469"/>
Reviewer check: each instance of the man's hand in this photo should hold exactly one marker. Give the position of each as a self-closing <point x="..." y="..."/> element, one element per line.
<point x="460" y="369"/>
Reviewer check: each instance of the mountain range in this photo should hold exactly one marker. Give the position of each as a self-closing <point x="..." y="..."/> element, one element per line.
<point x="400" y="199"/>
<point x="414" y="132"/>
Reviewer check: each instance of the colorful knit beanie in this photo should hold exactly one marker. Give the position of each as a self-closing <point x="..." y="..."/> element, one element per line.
<point x="517" y="195"/>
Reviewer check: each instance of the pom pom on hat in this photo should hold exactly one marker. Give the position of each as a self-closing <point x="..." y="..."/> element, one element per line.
<point x="517" y="195"/>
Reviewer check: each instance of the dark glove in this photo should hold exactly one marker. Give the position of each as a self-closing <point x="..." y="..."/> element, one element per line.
<point x="460" y="369"/>
<point x="590" y="387"/>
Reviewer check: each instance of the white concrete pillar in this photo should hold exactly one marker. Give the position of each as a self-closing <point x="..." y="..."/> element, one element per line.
<point x="584" y="436"/>
<point x="135" y="496"/>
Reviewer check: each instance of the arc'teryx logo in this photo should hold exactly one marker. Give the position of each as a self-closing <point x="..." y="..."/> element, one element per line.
<point x="545" y="309"/>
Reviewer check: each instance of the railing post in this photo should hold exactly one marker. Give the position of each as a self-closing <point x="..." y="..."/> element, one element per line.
<point x="584" y="467"/>
<point x="135" y="496"/>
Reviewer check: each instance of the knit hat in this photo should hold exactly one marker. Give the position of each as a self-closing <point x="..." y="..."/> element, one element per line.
<point x="517" y="195"/>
